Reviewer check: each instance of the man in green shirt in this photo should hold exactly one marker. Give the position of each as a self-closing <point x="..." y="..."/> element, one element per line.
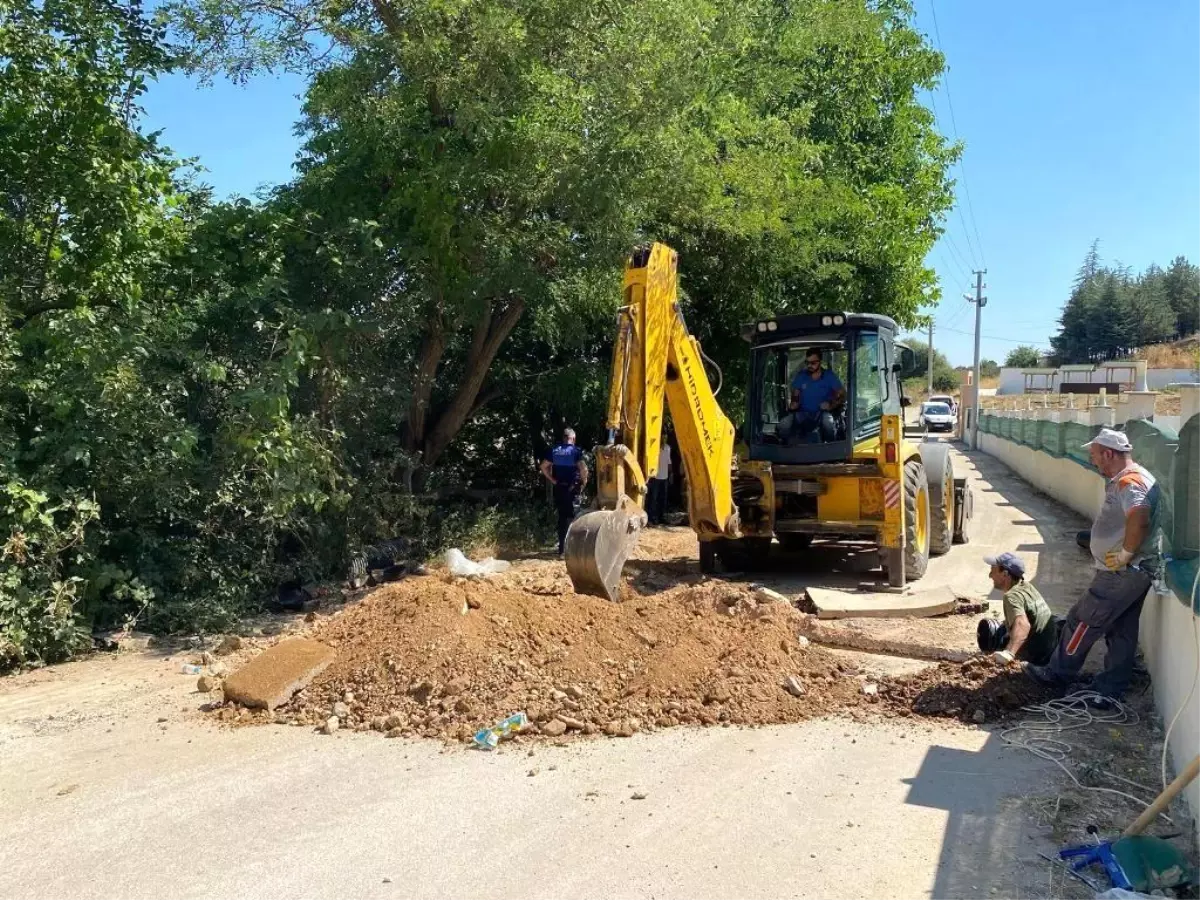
<point x="1029" y="631"/>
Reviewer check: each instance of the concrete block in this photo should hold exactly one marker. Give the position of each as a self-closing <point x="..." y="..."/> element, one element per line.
<point x="270" y="679"/>
<point x="832" y="604"/>
<point x="1189" y="398"/>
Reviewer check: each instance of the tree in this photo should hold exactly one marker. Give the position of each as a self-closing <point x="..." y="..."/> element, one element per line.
<point x="510" y="167"/>
<point x="945" y="378"/>
<point x="1181" y="286"/>
<point x="1110" y="312"/>
<point x="1023" y="357"/>
<point x="146" y="468"/>
<point x="989" y="368"/>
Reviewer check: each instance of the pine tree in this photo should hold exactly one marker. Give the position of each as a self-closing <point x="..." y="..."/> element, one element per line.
<point x="1181" y="287"/>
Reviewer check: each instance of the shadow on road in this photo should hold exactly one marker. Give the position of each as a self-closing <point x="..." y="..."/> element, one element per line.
<point x="988" y="849"/>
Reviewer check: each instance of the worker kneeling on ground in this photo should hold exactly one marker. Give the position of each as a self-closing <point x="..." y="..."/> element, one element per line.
<point x="1029" y="631"/>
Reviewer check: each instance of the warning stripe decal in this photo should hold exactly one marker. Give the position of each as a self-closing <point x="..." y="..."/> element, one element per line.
<point x="891" y="493"/>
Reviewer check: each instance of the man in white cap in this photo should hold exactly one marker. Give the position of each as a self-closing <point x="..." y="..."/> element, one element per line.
<point x="1122" y="546"/>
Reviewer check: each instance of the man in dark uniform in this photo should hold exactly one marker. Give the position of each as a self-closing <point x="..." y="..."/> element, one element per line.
<point x="564" y="468"/>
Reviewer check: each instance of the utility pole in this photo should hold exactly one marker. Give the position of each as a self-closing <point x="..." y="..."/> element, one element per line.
<point x="980" y="302"/>
<point x="930" y="355"/>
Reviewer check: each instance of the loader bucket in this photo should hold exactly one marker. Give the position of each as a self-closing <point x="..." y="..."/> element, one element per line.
<point x="598" y="543"/>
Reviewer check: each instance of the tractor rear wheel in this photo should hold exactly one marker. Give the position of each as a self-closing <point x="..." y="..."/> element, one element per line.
<point x="939" y="474"/>
<point x="910" y="562"/>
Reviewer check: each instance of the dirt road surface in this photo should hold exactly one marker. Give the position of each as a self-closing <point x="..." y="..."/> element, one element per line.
<point x="113" y="785"/>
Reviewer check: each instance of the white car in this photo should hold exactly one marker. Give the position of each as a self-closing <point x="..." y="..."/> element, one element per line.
<point x="947" y="399"/>
<point x="936" y="416"/>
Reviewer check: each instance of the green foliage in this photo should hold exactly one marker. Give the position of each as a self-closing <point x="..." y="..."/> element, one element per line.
<point x="945" y="378"/>
<point x="989" y="368"/>
<point x="199" y="399"/>
<point x="1112" y="312"/>
<point x="1023" y="357"/>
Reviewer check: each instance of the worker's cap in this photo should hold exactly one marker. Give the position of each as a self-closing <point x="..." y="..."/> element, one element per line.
<point x="1113" y="440"/>
<point x="1009" y="562"/>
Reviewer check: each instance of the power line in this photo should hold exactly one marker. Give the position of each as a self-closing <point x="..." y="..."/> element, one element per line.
<point x="992" y="337"/>
<point x="959" y="256"/>
<point x="954" y="127"/>
<point x="956" y="315"/>
<point x="962" y="272"/>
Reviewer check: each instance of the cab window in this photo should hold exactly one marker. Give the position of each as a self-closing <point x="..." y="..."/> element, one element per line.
<point x="870" y="383"/>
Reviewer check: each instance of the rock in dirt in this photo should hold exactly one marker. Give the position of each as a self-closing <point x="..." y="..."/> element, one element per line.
<point x="331" y="725"/>
<point x="637" y="795"/>
<point x="554" y="728"/>
<point x="794" y="686"/>
<point x="571" y="723"/>
<point x="124" y="641"/>
<point x="231" y="643"/>
<point x="206" y="684"/>
<point x="341" y="710"/>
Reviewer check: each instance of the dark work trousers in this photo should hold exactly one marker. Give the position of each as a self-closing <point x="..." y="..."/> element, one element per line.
<point x="565" y="497"/>
<point x="1110" y="609"/>
<point x="815" y="428"/>
<point x="992" y="635"/>
<point x="656" y="501"/>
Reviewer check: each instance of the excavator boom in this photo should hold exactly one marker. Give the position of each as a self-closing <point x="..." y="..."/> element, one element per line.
<point x="656" y="363"/>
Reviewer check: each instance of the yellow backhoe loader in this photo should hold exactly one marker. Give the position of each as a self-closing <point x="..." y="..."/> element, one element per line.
<point x="856" y="476"/>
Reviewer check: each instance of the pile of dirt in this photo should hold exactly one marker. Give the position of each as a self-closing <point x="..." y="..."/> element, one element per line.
<point x="442" y="657"/>
<point x="975" y="691"/>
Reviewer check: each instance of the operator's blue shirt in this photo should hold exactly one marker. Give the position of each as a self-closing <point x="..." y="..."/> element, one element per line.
<point x="815" y="391"/>
<point x="564" y="460"/>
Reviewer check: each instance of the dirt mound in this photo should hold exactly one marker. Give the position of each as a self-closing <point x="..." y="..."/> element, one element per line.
<point x="443" y="657"/>
<point x="974" y="691"/>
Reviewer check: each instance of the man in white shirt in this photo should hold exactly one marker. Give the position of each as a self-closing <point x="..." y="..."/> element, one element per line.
<point x="656" y="501"/>
<point x="1124" y="555"/>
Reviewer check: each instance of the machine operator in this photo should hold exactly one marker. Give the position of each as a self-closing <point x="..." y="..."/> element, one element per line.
<point x="816" y="392"/>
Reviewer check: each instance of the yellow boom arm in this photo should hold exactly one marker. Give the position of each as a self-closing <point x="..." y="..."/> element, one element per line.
<point x="655" y="360"/>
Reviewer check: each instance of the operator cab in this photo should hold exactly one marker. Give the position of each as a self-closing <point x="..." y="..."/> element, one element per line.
<point x="856" y="352"/>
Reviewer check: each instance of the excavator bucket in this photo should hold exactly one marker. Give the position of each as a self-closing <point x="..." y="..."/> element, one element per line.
<point x="598" y="543"/>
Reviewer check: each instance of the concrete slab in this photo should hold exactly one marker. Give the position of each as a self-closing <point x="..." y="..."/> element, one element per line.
<point x="274" y="675"/>
<point x="832" y="604"/>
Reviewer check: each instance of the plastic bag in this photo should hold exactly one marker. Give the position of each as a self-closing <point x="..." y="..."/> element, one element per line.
<point x="460" y="566"/>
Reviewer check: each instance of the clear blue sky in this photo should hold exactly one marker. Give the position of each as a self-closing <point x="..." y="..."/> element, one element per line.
<point x="1081" y="120"/>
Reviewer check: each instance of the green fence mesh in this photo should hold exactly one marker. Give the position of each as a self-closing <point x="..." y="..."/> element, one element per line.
<point x="1172" y="458"/>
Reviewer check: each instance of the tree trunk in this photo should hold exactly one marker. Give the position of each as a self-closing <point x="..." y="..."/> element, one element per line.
<point x="429" y="357"/>
<point x="489" y="334"/>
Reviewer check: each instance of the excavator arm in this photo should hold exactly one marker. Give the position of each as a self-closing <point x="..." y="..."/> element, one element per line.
<point x="656" y="364"/>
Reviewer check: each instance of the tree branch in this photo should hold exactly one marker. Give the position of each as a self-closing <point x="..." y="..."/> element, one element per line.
<point x="490" y="334"/>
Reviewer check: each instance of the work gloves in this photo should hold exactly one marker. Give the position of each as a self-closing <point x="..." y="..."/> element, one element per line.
<point x="1115" y="560"/>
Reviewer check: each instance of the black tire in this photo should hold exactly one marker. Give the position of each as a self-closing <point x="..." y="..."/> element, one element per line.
<point x="792" y="542"/>
<point x="708" y="557"/>
<point x="753" y="553"/>
<point x="916" y="559"/>
<point x="939" y="474"/>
